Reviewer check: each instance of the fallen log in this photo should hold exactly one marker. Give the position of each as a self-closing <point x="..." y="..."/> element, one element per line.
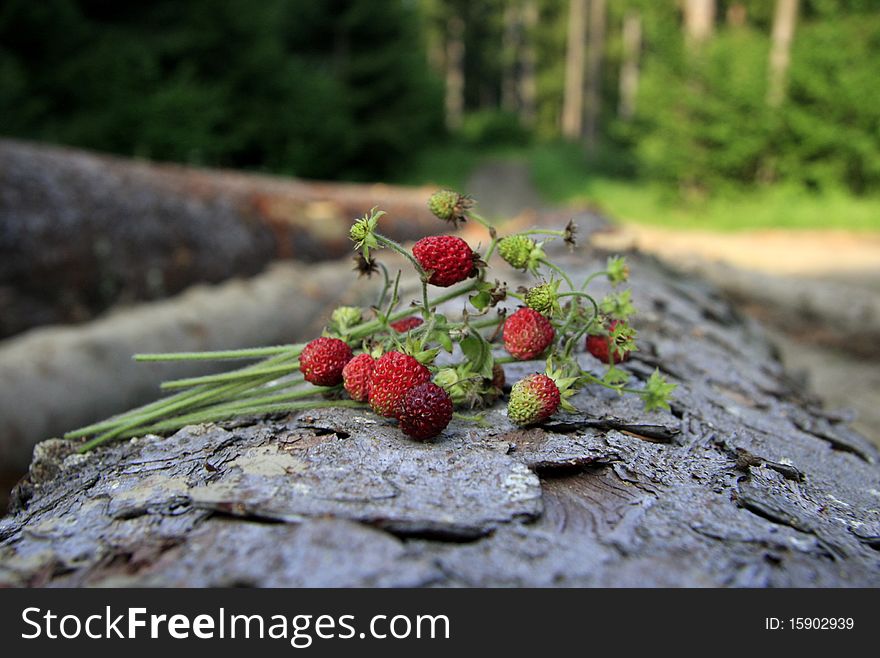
<point x="80" y="232"/>
<point x="744" y="482"/>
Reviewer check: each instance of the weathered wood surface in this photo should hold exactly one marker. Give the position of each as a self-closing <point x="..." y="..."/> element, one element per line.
<point x="80" y="232"/>
<point x="744" y="483"/>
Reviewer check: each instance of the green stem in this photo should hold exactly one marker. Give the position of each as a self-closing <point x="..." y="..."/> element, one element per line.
<point x="577" y="293"/>
<point x="620" y="389"/>
<point x="540" y="231"/>
<point x="174" y="402"/>
<point x="388" y="242"/>
<point x="249" y="353"/>
<point x="591" y="277"/>
<point x="477" y="217"/>
<point x="136" y="423"/>
<point x="228" y="376"/>
<point x="559" y="271"/>
<point x="490" y="251"/>
<point x="255" y="410"/>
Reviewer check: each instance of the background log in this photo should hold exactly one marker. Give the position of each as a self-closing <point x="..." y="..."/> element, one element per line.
<point x="745" y="482"/>
<point x="80" y="232"/>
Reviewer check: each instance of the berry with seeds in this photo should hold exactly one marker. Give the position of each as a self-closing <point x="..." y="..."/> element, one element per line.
<point x="450" y="206"/>
<point x="322" y="360"/>
<point x="393" y="375"/>
<point x="527" y="334"/>
<point x="356" y="376"/>
<point x="406" y="324"/>
<point x="533" y="400"/>
<point x="425" y="411"/>
<point x="448" y="258"/>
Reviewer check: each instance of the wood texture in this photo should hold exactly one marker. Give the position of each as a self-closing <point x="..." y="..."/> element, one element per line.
<point x="745" y="482"/>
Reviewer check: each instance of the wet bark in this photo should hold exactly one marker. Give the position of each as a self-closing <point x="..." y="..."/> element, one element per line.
<point x="744" y="482"/>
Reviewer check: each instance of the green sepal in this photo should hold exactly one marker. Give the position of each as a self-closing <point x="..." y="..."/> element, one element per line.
<point x="657" y="392"/>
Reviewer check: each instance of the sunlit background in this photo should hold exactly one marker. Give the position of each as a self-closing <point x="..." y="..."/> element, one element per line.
<point x="738" y="139"/>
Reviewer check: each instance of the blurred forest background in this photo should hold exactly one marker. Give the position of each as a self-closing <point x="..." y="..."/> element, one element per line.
<point x="715" y="113"/>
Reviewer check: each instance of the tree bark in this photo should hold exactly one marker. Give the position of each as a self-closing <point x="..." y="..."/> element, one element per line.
<point x="595" y="49"/>
<point x="573" y="99"/>
<point x="454" y="72"/>
<point x="629" y="69"/>
<point x="81" y="232"/>
<point x="743" y="482"/>
<point x="699" y="20"/>
<point x="528" y="83"/>
<point x="510" y="49"/>
<point x="784" y="20"/>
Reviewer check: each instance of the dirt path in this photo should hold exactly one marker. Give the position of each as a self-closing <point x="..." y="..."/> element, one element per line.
<point x="819" y="291"/>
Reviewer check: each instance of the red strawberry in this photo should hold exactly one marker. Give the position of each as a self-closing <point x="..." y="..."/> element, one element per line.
<point x="394" y="374"/>
<point x="447" y="257"/>
<point x="404" y="325"/>
<point x="356" y="376"/>
<point x="533" y="399"/>
<point x="323" y="359"/>
<point x="600" y="346"/>
<point x="527" y="334"/>
<point x="425" y="411"/>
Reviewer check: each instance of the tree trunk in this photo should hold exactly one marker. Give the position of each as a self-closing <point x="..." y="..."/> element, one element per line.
<point x="454" y="72"/>
<point x="528" y="83"/>
<point x="595" y="48"/>
<point x="737" y="14"/>
<point x="573" y="99"/>
<point x="784" y="21"/>
<point x="743" y="482"/>
<point x="81" y="232"/>
<point x="699" y="20"/>
<point x="510" y="47"/>
<point x="629" y="69"/>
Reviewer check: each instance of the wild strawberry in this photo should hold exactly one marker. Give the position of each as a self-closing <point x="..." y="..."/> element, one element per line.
<point x="543" y="298"/>
<point x="393" y="375"/>
<point x="356" y="376"/>
<point x="527" y="334"/>
<point x="521" y="252"/>
<point x="405" y="324"/>
<point x="447" y="257"/>
<point x="533" y="400"/>
<point x="425" y="411"/>
<point x="599" y="345"/>
<point x="450" y="206"/>
<point x="322" y="360"/>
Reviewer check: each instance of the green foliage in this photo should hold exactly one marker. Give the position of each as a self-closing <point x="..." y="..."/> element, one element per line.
<point x="493" y="128"/>
<point x="705" y="125"/>
<point x="316" y="89"/>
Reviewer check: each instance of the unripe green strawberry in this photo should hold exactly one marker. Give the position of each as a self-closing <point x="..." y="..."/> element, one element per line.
<point x="425" y="411"/>
<point x="527" y="334"/>
<point x="322" y="360"/>
<point x="406" y="324"/>
<point x="542" y="298"/>
<point x="450" y="206"/>
<point x="532" y="400"/>
<point x="393" y="375"/>
<point x="448" y="258"/>
<point x="516" y="250"/>
<point x="357" y="375"/>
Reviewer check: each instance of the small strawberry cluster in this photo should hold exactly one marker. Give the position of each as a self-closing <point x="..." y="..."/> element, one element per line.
<point x="411" y="362"/>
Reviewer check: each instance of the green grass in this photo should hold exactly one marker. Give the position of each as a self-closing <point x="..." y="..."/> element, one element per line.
<point x="563" y="177"/>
